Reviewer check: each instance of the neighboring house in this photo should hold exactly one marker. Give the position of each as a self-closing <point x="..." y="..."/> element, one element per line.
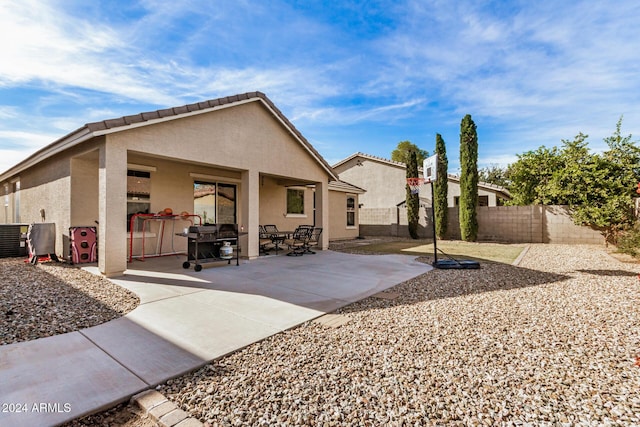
<point x="385" y="183"/>
<point x="383" y="207"/>
<point x="232" y="160"/>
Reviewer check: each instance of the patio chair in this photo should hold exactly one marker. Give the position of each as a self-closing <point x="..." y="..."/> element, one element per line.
<point x="270" y="229"/>
<point x="277" y="237"/>
<point x="297" y="242"/>
<point x="314" y="240"/>
<point x="265" y="242"/>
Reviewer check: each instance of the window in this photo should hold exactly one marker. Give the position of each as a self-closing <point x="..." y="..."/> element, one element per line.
<point x="226" y="204"/>
<point x="6" y="204"/>
<point x="215" y="202"/>
<point x="295" y="201"/>
<point x="16" y="201"/>
<point x="138" y="194"/>
<point x="351" y="211"/>
<point x="204" y="201"/>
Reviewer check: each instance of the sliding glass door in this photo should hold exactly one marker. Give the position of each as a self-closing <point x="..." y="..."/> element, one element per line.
<point x="216" y="203"/>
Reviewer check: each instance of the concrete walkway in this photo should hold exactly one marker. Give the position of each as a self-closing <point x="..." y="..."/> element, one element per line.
<point x="185" y="320"/>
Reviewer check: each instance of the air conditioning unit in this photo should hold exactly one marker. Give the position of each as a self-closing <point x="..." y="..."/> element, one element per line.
<point x="13" y="240"/>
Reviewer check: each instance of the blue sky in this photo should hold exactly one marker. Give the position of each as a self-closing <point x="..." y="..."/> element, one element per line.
<point x="351" y="75"/>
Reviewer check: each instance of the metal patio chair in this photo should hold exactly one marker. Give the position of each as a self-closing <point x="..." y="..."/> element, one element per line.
<point x="314" y="240"/>
<point x="266" y="242"/>
<point x="298" y="241"/>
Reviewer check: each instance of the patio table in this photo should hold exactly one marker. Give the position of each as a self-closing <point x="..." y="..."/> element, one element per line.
<point x="279" y="237"/>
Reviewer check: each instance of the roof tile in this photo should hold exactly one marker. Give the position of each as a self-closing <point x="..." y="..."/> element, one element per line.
<point x="166" y="112"/>
<point x="150" y="115"/>
<point x="180" y="110"/>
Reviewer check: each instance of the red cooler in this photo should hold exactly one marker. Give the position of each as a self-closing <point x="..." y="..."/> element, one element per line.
<point x="83" y="244"/>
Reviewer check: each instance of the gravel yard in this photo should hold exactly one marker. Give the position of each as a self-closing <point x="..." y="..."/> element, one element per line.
<point x="55" y="298"/>
<point x="554" y="341"/>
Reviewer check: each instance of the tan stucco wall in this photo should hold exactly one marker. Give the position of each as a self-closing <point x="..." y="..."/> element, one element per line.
<point x="242" y="144"/>
<point x="242" y="137"/>
<point x="338" y="216"/>
<point x="385" y="183"/>
<point x="453" y="191"/>
<point x="84" y="194"/>
<point x="273" y="205"/>
<point x="45" y="187"/>
<point x="7" y="206"/>
<point x="172" y="187"/>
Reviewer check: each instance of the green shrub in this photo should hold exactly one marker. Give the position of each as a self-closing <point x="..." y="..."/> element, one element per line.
<point x="629" y="241"/>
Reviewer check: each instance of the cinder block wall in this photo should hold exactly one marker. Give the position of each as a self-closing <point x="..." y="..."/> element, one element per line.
<point x="378" y="221"/>
<point x="559" y="228"/>
<point x="509" y="224"/>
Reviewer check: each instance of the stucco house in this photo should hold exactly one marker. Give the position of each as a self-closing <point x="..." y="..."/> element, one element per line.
<point x="235" y="160"/>
<point x="385" y="180"/>
<point x="382" y="208"/>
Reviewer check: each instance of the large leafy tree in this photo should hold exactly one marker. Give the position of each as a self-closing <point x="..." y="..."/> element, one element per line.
<point x="468" y="179"/>
<point x="412" y="200"/>
<point x="494" y="174"/>
<point x="440" y="190"/>
<point x="404" y="148"/>
<point x="530" y="174"/>
<point x="598" y="188"/>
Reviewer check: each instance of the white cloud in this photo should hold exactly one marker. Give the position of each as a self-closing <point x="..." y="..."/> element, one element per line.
<point x="18" y="145"/>
<point x="533" y="72"/>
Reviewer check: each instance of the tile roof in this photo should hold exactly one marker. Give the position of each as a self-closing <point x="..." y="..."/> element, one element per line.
<point x="183" y="109"/>
<point x="370" y="157"/>
<point x="346" y="187"/>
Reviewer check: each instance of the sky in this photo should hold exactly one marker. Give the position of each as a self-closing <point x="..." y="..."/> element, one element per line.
<point x="352" y="76"/>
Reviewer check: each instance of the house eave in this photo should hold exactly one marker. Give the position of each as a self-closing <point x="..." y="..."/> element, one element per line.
<point x="111" y="126"/>
<point x="71" y="140"/>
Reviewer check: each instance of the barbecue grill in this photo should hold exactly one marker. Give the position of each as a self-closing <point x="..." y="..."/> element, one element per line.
<point x="205" y="243"/>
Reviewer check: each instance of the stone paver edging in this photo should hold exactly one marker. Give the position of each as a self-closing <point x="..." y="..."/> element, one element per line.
<point x="164" y="412"/>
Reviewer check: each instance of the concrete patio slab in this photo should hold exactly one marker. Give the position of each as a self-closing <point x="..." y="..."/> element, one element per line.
<point x="185" y="320"/>
<point x="146" y="354"/>
<point x="51" y="380"/>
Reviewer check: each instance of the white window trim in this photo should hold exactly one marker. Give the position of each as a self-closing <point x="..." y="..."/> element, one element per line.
<point x="355" y="207"/>
<point x="16" y="183"/>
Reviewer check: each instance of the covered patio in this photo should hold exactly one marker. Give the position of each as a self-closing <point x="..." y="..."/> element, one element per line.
<point x="234" y="161"/>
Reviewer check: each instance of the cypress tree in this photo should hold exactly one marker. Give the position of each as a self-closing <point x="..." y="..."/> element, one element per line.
<point x="412" y="200"/>
<point x="441" y="189"/>
<point x="468" y="180"/>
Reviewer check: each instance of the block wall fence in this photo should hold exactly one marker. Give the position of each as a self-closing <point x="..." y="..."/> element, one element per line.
<point x="507" y="224"/>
